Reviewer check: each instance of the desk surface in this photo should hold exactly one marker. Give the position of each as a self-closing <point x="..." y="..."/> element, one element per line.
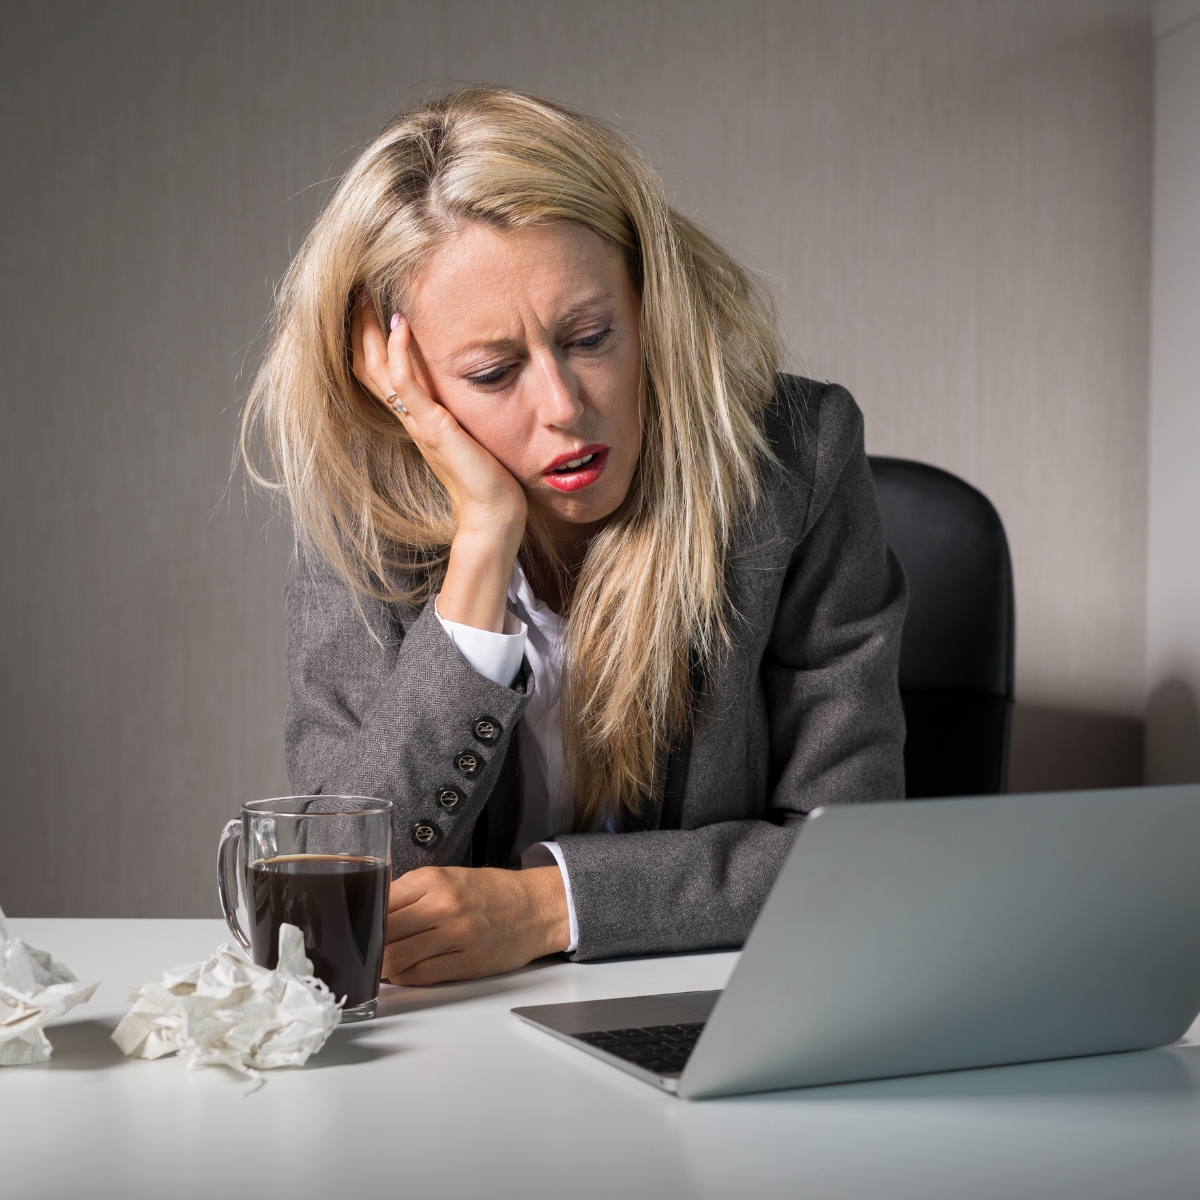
<point x="447" y="1094"/>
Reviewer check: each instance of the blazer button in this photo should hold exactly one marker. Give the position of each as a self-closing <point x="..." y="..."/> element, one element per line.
<point x="486" y="729"/>
<point x="448" y="797"/>
<point x="467" y="763"/>
<point x="424" y="834"/>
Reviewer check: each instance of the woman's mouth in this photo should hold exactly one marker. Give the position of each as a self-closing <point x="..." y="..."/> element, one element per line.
<point x="570" y="474"/>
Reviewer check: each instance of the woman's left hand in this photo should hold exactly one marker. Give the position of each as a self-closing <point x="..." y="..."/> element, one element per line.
<point x="464" y="922"/>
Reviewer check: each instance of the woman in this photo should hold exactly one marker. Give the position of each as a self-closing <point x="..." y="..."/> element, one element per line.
<point x="586" y="587"/>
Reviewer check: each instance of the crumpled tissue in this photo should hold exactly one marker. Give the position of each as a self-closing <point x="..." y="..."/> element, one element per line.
<point x="34" y="988"/>
<point x="230" y="1012"/>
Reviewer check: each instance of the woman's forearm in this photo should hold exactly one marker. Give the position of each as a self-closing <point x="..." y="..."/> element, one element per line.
<point x="387" y="708"/>
<point x="475" y="589"/>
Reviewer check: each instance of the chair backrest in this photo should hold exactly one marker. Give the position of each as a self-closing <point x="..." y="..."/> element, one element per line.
<point x="956" y="654"/>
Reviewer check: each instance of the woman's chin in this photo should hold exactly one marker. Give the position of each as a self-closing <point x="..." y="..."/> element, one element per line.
<point x="581" y="508"/>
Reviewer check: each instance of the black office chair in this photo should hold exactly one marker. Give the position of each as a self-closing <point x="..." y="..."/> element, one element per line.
<point x="956" y="654"/>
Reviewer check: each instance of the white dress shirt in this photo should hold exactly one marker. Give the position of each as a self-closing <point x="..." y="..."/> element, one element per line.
<point x="534" y="631"/>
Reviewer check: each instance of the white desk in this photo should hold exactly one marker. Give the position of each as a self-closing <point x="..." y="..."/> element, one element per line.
<point x="448" y="1095"/>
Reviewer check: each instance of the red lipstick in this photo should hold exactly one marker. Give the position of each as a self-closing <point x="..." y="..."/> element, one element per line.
<point x="566" y="478"/>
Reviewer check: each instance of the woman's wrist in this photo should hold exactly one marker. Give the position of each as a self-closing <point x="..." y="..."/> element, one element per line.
<point x="549" y="898"/>
<point x="475" y="590"/>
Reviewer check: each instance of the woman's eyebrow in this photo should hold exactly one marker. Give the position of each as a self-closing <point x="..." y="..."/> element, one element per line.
<point x="485" y="346"/>
<point x="512" y="345"/>
<point x="584" y="308"/>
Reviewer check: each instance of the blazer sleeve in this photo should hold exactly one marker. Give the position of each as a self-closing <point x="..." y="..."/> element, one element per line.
<point x="382" y="704"/>
<point x="834" y="724"/>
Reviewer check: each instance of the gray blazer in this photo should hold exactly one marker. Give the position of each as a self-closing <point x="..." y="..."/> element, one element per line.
<point x="802" y="711"/>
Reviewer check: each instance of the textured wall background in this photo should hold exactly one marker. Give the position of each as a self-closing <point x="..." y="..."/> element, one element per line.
<point x="1173" y="578"/>
<point x="951" y="199"/>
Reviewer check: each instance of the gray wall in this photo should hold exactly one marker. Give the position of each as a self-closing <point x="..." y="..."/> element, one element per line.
<point x="951" y="200"/>
<point x="1173" y="580"/>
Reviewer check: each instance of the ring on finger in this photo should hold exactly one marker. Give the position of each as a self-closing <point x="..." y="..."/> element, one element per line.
<point x="394" y="402"/>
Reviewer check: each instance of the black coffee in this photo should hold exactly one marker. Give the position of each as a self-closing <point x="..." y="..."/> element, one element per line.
<point x="339" y="903"/>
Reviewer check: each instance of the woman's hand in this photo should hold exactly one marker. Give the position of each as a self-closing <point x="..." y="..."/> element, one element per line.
<point x="489" y="504"/>
<point x="464" y="922"/>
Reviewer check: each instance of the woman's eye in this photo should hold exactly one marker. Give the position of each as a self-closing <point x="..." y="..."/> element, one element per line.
<point x="495" y="375"/>
<point x="593" y="339"/>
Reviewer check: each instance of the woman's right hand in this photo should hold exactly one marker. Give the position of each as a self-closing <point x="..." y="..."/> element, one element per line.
<point x="489" y="504"/>
<point x="485" y="495"/>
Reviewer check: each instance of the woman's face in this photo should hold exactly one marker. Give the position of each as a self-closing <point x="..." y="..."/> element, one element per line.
<point x="530" y="338"/>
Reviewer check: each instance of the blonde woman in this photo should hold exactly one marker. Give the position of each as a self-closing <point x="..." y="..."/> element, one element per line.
<point x="586" y="587"/>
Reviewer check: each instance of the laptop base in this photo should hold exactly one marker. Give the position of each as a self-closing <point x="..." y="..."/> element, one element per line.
<point x="665" y="1017"/>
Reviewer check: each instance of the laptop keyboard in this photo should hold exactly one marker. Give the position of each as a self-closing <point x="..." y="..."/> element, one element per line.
<point x="660" y="1048"/>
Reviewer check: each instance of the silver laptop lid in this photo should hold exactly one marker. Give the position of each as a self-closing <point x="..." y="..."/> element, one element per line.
<point x="943" y="934"/>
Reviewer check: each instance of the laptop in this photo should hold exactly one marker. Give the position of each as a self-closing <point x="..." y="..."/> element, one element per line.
<point x="937" y="935"/>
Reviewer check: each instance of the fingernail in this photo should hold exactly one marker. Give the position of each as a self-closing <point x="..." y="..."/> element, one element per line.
<point x="395" y="321"/>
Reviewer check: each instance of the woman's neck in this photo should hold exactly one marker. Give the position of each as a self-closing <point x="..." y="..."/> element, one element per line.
<point x="554" y="583"/>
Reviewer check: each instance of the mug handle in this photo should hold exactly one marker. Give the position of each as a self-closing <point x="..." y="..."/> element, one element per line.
<point x="228" y="853"/>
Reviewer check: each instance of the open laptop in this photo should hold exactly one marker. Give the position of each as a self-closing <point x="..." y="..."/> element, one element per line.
<point x="937" y="935"/>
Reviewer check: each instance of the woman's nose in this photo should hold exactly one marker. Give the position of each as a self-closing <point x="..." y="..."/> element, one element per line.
<point x="558" y="402"/>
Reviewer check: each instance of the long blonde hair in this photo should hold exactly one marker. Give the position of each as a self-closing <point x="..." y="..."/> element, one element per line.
<point x="649" y="603"/>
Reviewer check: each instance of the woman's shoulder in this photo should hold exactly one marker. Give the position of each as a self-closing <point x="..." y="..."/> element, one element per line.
<point x="814" y="430"/>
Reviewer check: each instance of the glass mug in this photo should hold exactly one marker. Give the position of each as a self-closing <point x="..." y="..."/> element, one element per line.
<point x="323" y="864"/>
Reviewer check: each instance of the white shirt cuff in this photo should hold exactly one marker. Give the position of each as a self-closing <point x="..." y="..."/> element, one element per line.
<point x="495" y="656"/>
<point x="540" y="854"/>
